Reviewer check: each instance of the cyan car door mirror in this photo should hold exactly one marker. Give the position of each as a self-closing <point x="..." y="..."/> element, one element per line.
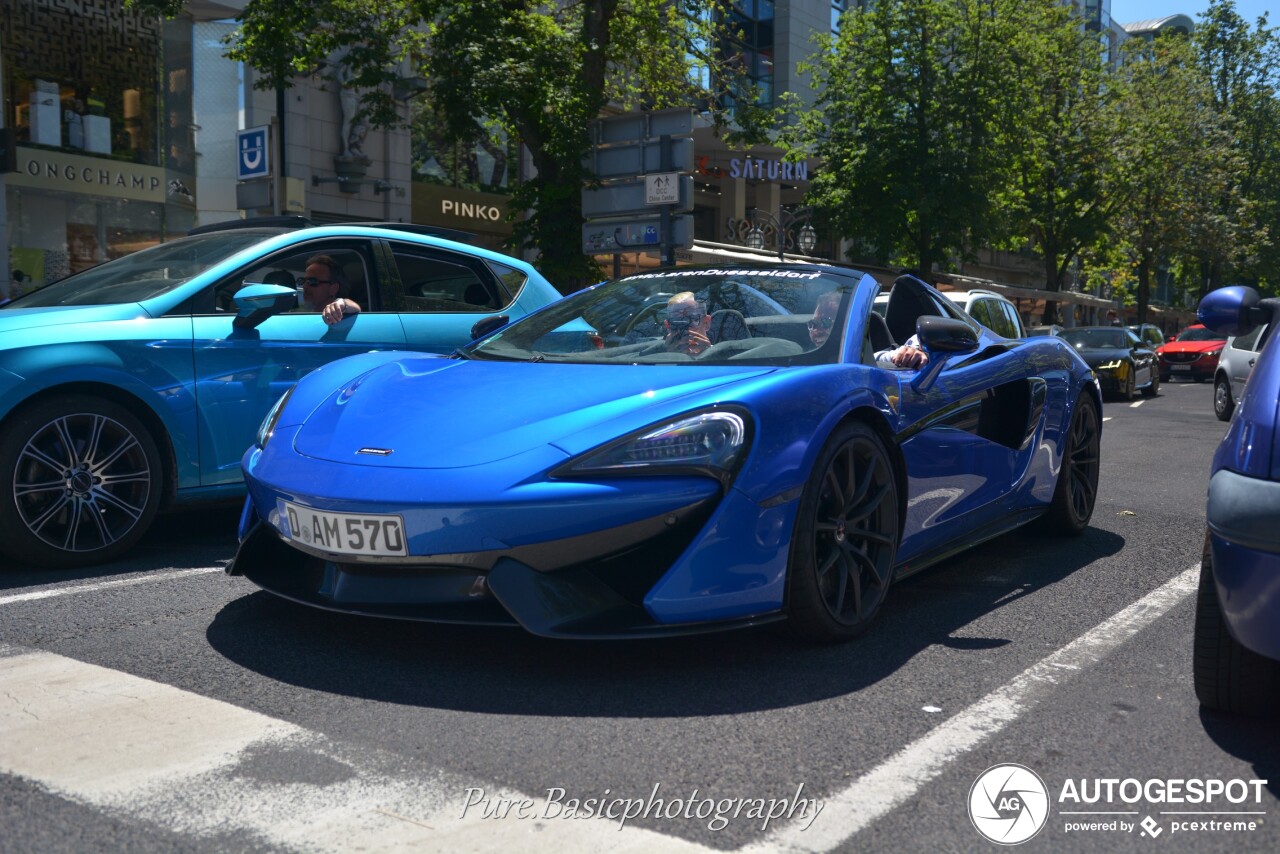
<point x="255" y="303"/>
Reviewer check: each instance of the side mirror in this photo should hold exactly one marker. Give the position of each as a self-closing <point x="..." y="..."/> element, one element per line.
<point x="485" y="325"/>
<point x="940" y="337"/>
<point x="1234" y="310"/>
<point x="255" y="303"/>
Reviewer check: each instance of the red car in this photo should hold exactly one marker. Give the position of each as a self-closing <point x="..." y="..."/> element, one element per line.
<point x="1194" y="355"/>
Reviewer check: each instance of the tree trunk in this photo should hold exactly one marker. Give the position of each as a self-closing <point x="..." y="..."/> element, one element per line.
<point x="1144" y="286"/>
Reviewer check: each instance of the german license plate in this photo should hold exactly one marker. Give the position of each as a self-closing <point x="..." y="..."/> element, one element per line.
<point x="344" y="533"/>
<point x="1181" y="367"/>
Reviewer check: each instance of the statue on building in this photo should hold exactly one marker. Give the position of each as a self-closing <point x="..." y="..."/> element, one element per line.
<point x="354" y="128"/>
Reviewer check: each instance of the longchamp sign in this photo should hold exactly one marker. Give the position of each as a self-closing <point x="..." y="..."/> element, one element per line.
<point x="70" y="173"/>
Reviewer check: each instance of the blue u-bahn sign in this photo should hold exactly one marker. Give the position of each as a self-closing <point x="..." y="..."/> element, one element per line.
<point x="253" y="153"/>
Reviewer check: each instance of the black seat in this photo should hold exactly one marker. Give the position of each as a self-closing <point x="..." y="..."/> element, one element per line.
<point x="878" y="332"/>
<point x="907" y="304"/>
<point x="727" y="325"/>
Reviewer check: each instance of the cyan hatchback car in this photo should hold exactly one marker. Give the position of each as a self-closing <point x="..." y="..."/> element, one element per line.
<point x="138" y="384"/>
<point x="1237" y="635"/>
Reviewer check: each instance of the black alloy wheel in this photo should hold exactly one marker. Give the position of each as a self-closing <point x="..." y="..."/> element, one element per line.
<point x="845" y="539"/>
<point x="81" y="482"/>
<point x="1077" y="488"/>
<point x="1153" y="387"/>
<point x="1223" y="401"/>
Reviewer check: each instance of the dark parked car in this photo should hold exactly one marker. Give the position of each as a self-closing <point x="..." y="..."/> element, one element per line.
<point x="1123" y="363"/>
<point x="1237" y="632"/>
<point x="1194" y="355"/>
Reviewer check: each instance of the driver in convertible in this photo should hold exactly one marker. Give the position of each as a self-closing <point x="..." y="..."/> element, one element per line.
<point x="909" y="356"/>
<point x="687" y="324"/>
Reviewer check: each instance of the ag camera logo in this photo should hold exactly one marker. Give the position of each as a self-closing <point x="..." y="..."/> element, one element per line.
<point x="1009" y="804"/>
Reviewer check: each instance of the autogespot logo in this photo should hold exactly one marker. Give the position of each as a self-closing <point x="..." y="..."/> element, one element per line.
<point x="1009" y="804"/>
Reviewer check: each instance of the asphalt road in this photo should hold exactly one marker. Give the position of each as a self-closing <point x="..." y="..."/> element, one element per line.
<point x="158" y="705"/>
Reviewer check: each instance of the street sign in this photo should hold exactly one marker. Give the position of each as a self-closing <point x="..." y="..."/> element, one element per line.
<point x="603" y="237"/>
<point x="663" y="188"/>
<point x="634" y="126"/>
<point x="253" y="158"/>
<point x="631" y="197"/>
<point x="623" y="161"/>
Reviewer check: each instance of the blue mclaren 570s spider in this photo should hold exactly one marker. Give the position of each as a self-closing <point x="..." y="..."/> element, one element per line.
<point x="680" y="450"/>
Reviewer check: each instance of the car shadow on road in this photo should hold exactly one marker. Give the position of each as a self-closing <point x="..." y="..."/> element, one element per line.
<point x="507" y="671"/>
<point x="184" y="539"/>
<point x="1251" y="739"/>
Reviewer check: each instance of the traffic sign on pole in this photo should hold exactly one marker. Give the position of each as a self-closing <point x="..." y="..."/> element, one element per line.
<point x="628" y="197"/>
<point x="253" y="153"/>
<point x="625" y="161"/>
<point x="602" y="237"/>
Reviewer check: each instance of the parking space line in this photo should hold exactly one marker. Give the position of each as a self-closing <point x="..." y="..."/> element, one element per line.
<point x="901" y="776"/>
<point x="52" y="592"/>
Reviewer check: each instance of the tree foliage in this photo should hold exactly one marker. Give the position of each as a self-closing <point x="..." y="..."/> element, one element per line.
<point x="908" y="126"/>
<point x="536" y="72"/>
<point x="1241" y="65"/>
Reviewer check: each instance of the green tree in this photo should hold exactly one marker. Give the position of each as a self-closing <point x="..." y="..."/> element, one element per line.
<point x="907" y="125"/>
<point x="1242" y="67"/>
<point x="1065" y="136"/>
<point x="531" y="71"/>
<point x="1174" y="161"/>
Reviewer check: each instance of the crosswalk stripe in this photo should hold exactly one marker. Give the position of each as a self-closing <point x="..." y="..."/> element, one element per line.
<point x="156" y="754"/>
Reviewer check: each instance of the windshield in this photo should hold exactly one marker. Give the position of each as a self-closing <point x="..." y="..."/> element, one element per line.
<point x="146" y="273"/>
<point x="783" y="315"/>
<point x="1096" y="338"/>
<point x="1200" y="333"/>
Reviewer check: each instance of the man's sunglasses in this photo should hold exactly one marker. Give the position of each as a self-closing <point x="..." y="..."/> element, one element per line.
<point x="312" y="281"/>
<point x="822" y="322"/>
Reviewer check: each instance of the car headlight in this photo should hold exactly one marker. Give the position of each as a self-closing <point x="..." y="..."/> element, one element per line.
<point x="1211" y="354"/>
<point x="710" y="443"/>
<point x="268" y="426"/>
<point x="1111" y="366"/>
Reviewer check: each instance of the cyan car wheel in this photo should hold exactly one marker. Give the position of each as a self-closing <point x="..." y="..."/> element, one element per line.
<point x="1223" y="403"/>
<point x="1077" y="488"/>
<point x="1228" y="677"/>
<point x="846" y="538"/>
<point x="80" y="481"/>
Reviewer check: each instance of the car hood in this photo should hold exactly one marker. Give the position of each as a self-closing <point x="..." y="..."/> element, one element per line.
<point x="15" y="319"/>
<point x="1190" y="347"/>
<point x="439" y="414"/>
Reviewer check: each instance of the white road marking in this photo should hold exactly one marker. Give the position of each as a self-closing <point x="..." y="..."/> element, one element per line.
<point x="151" y="753"/>
<point x="51" y="592"/>
<point x="1136" y="404"/>
<point x="142" y="750"/>
<point x="1106" y="418"/>
<point x="901" y="776"/>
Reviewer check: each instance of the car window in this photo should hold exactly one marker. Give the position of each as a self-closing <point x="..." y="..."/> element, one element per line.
<point x="978" y="311"/>
<point x="510" y="280"/>
<point x="1248" y="341"/>
<point x="1015" y="321"/>
<point x="436" y="281"/>
<point x="285" y="268"/>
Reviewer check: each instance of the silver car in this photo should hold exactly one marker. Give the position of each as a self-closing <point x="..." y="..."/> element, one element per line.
<point x="1234" y="366"/>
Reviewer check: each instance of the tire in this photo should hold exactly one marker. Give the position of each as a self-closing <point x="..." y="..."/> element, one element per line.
<point x="1223" y="403"/>
<point x="1153" y="387"/>
<point x="80" y="482"/>
<point x="1228" y="677"/>
<point x="1130" y="385"/>
<point x="1076" y="492"/>
<point x="845" y="539"/>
